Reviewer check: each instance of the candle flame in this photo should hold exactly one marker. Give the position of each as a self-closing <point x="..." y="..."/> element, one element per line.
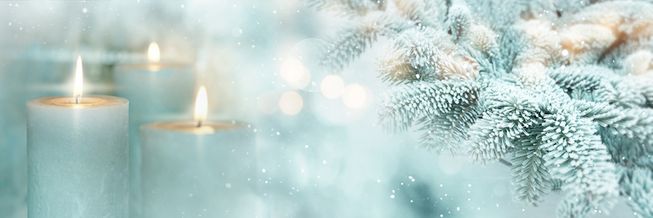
<point x="201" y="106"/>
<point x="79" y="80"/>
<point x="153" y="53"/>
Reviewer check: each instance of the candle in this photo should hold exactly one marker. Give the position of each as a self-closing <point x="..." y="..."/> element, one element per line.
<point x="78" y="157"/>
<point x="198" y="168"/>
<point x="156" y="90"/>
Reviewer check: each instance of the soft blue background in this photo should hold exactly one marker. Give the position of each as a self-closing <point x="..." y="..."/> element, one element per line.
<point x="326" y="161"/>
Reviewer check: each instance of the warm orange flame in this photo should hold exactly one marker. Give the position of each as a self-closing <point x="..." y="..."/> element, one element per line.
<point x="201" y="106"/>
<point x="153" y="53"/>
<point x="79" y="79"/>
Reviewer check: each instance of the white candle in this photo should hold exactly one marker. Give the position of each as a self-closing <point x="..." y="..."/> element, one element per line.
<point x="78" y="156"/>
<point x="198" y="168"/>
<point x="156" y="90"/>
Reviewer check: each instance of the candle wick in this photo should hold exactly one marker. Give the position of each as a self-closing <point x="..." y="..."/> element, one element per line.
<point x="199" y="124"/>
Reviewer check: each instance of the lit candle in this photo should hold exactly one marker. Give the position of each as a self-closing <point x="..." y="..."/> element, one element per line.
<point x="163" y="87"/>
<point x="156" y="90"/>
<point x="198" y="168"/>
<point x="78" y="157"/>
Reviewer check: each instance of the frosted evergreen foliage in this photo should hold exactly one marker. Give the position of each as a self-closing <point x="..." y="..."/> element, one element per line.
<point x="637" y="185"/>
<point x="559" y="91"/>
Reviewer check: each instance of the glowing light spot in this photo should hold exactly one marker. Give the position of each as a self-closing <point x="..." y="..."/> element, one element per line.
<point x="355" y="96"/>
<point x="291" y="103"/>
<point x="153" y="53"/>
<point x="332" y="86"/>
<point x="293" y="72"/>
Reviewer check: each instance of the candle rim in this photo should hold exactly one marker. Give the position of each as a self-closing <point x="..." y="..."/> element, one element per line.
<point x="190" y="127"/>
<point x="89" y="101"/>
<point x="155" y="66"/>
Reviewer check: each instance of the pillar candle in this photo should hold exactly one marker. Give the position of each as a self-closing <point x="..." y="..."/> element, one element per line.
<point x="198" y="168"/>
<point x="156" y="90"/>
<point x="78" y="155"/>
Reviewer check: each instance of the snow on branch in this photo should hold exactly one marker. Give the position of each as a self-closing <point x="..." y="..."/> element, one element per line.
<point x="560" y="91"/>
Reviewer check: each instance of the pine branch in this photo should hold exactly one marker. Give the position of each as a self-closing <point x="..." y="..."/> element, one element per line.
<point x="448" y="133"/>
<point x="496" y="13"/>
<point x="511" y="44"/>
<point x="586" y="82"/>
<point x="406" y="104"/>
<point x="634" y="124"/>
<point x="396" y="69"/>
<point x="348" y="7"/>
<point x="491" y="137"/>
<point x="422" y="12"/>
<point x="531" y="94"/>
<point x="637" y="185"/>
<point x="576" y="155"/>
<point x="509" y="113"/>
<point x="629" y="94"/>
<point x="647" y="92"/>
<point x="575" y="206"/>
<point x="415" y="56"/>
<point x="352" y="42"/>
<point x="459" y="20"/>
<point x="483" y="39"/>
<point x="530" y="175"/>
<point x="629" y="22"/>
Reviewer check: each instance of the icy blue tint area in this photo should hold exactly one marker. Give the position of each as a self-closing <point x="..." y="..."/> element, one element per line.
<point x="320" y="146"/>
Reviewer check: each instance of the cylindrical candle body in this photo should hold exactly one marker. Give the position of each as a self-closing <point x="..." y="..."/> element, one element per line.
<point x="155" y="91"/>
<point x="195" y="174"/>
<point x="16" y="88"/>
<point x="78" y="158"/>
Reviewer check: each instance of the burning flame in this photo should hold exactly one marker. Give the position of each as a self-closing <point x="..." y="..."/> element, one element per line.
<point x="153" y="53"/>
<point x="79" y="80"/>
<point x="201" y="106"/>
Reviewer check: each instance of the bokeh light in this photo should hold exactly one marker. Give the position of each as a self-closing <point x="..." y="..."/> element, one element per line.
<point x="294" y="73"/>
<point x="332" y="86"/>
<point x="355" y="96"/>
<point x="291" y="103"/>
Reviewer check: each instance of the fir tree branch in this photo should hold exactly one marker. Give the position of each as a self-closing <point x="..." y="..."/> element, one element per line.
<point x="630" y="123"/>
<point x="422" y="12"/>
<point x="348" y="7"/>
<point x="352" y="42"/>
<point x="576" y="155"/>
<point x="448" y="133"/>
<point x="637" y="185"/>
<point x="563" y="127"/>
<point x="415" y="57"/>
<point x="509" y="113"/>
<point x="409" y="103"/>
<point x="530" y="175"/>
<point x="586" y="82"/>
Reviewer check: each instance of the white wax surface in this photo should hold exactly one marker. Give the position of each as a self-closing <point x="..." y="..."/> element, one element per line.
<point x="198" y="172"/>
<point x="78" y="158"/>
<point x="155" y="91"/>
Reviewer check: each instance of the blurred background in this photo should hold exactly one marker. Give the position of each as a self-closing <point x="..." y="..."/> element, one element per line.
<point x="320" y="150"/>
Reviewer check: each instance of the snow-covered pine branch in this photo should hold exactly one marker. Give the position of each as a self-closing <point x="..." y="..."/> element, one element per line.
<point x="561" y="89"/>
<point x="350" y="43"/>
<point x="348" y="7"/>
<point x="637" y="185"/>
